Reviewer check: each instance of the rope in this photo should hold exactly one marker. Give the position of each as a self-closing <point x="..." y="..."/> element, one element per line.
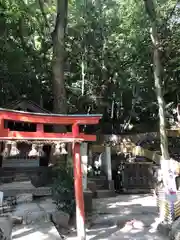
<point x="43" y="141"/>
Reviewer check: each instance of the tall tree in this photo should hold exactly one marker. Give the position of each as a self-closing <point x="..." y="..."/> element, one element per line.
<point x="107" y="46"/>
<point x="58" y="61"/>
<point x="157" y="67"/>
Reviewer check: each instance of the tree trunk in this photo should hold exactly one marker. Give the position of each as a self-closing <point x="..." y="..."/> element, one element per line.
<point x="58" y="61"/>
<point x="160" y="99"/>
<point x="149" y="4"/>
<point x="168" y="173"/>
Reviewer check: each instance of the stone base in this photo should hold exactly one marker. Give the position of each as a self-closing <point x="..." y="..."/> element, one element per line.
<point x="111" y="185"/>
<point x="60" y="219"/>
<point x="15" y="188"/>
<point x="164" y="229"/>
<point x="92" y="186"/>
<point x="88" y="201"/>
<point x="174" y="232"/>
<point x="137" y="191"/>
<point x="101" y="187"/>
<point x="105" y="193"/>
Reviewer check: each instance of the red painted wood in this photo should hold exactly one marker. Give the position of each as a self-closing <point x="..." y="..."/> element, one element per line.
<point x="39" y="128"/>
<point x="75" y="130"/>
<point x="49" y="119"/>
<point x="78" y="186"/>
<point x="7" y="134"/>
<point x="1" y="124"/>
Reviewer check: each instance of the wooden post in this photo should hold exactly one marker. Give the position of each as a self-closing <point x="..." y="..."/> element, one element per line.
<point x="80" y="215"/>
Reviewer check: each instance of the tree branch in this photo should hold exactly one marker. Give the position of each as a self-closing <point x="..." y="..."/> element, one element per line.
<point x="150" y="10"/>
<point x="41" y="6"/>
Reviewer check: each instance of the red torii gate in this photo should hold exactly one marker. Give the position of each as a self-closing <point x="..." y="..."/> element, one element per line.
<point x="75" y="137"/>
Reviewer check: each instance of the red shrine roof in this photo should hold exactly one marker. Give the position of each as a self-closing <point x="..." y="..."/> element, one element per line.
<point x="43" y="118"/>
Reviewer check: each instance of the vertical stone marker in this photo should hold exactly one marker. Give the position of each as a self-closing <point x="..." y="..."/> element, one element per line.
<point x="106" y="163"/>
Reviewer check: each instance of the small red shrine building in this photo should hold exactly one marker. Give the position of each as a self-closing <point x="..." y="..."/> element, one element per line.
<point x="38" y="155"/>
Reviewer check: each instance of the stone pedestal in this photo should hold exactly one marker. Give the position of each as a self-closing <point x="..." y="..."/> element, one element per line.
<point x="92" y="187"/>
<point x="87" y="201"/>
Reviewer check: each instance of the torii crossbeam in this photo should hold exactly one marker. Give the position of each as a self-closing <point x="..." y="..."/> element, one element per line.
<point x="74" y="137"/>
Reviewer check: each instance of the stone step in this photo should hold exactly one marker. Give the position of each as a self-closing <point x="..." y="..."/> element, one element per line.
<point x="21" y="177"/>
<point x="14" y="188"/>
<point x="104" y="193"/>
<point x="20" y="163"/>
<point x="98" y="181"/>
<point x="7" y="179"/>
<point x="106" y="185"/>
<point x="100" y="186"/>
<point x="98" y="177"/>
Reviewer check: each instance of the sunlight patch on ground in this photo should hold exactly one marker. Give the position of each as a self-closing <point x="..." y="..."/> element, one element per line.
<point x="154" y="225"/>
<point x="39" y="232"/>
<point x="146" y="201"/>
<point x="24" y="234"/>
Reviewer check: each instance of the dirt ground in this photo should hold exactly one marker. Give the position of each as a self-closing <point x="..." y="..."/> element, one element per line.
<point x="131" y="217"/>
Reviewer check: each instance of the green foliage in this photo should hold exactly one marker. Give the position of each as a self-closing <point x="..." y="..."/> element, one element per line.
<point x="24" y="56"/>
<point x="109" y="38"/>
<point x="63" y="190"/>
